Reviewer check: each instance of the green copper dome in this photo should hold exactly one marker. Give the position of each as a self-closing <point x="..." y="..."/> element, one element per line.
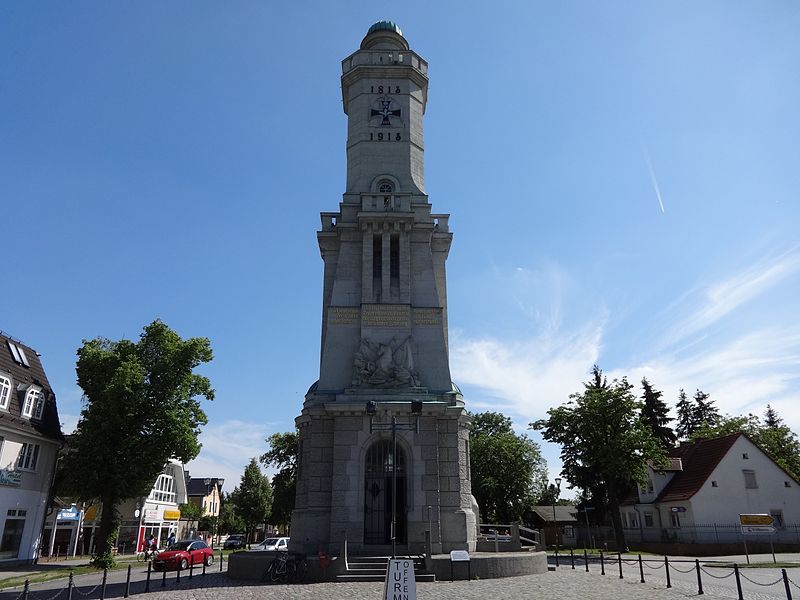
<point x="385" y="26"/>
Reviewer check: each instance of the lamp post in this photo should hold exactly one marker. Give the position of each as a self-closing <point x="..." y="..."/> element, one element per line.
<point x="556" y="492"/>
<point x="394" y="426"/>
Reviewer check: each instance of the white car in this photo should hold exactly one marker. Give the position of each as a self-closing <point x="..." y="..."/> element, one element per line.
<point x="274" y="544"/>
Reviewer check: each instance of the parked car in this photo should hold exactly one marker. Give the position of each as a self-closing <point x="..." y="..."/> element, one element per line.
<point x="274" y="543"/>
<point x="183" y="554"/>
<point x="234" y="542"/>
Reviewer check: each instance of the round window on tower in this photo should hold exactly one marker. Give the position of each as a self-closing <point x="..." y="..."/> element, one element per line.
<point x="385" y="186"/>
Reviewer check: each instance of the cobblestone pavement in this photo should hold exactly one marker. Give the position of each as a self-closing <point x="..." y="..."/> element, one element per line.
<point x="550" y="586"/>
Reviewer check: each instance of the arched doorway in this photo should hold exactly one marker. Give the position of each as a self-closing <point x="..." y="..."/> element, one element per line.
<point x="378" y="476"/>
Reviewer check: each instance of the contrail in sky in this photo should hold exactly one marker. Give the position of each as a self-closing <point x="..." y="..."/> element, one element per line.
<point x="653" y="178"/>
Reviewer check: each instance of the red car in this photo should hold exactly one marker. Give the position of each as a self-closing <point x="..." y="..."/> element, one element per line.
<point x="182" y="554"/>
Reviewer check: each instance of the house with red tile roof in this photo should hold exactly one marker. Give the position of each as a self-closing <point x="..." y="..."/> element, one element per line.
<point x="698" y="498"/>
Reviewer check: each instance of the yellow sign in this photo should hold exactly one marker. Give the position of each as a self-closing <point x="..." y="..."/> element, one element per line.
<point x="172" y="515"/>
<point x="756" y="519"/>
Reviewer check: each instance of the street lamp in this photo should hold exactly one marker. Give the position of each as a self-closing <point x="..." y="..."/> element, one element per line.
<point x="556" y="492"/>
<point x="394" y="426"/>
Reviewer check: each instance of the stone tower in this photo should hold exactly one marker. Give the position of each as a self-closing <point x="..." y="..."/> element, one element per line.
<point x="384" y="445"/>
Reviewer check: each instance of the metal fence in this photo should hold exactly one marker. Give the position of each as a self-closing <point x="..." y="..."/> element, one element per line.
<point x="714" y="533"/>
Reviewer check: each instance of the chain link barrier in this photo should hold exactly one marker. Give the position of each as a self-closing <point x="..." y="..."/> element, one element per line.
<point x="743" y="576"/>
<point x="89" y="593"/>
<point x="37" y="597"/>
<point x="793" y="583"/>
<point x="674" y="568"/>
<point x="658" y="567"/>
<point x="710" y="574"/>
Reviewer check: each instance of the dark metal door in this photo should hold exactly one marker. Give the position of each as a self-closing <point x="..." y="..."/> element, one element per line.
<point x="378" y="480"/>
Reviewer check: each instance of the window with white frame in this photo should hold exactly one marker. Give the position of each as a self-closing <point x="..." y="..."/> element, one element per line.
<point x="675" y="519"/>
<point x="11" y="539"/>
<point x="164" y="489"/>
<point x="28" y="457"/>
<point x="5" y="391"/>
<point x="648" y="519"/>
<point x="34" y="403"/>
<point x="634" y="520"/>
<point x="750" y="482"/>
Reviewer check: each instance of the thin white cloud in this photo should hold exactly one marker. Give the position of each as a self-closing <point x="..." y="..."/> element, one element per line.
<point x="228" y="447"/>
<point x="717" y="300"/>
<point x="653" y="177"/>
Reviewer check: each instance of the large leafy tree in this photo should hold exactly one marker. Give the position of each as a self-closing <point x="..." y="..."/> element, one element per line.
<point x="605" y="444"/>
<point x="656" y="415"/>
<point x="229" y="521"/>
<point x="508" y="471"/>
<point x="685" y="425"/>
<point x="282" y="455"/>
<point x="252" y="498"/>
<point x="140" y="409"/>
<point x="778" y="441"/>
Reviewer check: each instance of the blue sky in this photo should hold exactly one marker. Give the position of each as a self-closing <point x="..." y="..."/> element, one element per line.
<point x="622" y="177"/>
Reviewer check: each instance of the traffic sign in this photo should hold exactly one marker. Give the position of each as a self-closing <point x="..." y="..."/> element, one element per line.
<point x="761" y="519"/>
<point x="758" y="529"/>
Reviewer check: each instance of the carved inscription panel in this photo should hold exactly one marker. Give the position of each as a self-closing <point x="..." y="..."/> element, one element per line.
<point x="385" y="315"/>
<point x="344" y="315"/>
<point x="427" y="316"/>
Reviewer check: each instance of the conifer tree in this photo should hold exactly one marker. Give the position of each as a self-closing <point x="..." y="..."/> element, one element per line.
<point x="704" y="413"/>
<point x="656" y="415"/>
<point x="685" y="426"/>
<point x="771" y="418"/>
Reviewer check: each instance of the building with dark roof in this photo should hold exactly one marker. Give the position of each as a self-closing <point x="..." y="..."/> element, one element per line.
<point x="708" y="484"/>
<point x="30" y="438"/>
<point x="206" y="493"/>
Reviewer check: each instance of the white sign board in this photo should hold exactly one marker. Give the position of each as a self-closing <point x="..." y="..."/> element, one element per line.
<point x="459" y="556"/>
<point x="758" y="529"/>
<point x="400" y="581"/>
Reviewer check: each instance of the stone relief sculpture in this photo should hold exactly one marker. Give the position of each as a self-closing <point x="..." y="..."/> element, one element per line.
<point x="384" y="365"/>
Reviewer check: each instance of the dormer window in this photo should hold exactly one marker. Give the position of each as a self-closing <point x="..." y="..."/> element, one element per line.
<point x="5" y="391"/>
<point x="385" y="187"/>
<point x="33" y="407"/>
<point x="18" y="354"/>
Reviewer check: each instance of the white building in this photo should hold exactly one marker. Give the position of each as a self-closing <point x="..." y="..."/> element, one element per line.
<point x="30" y="438"/>
<point x="709" y="483"/>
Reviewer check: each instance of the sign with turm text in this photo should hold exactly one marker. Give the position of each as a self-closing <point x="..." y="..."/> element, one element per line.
<point x="400" y="581"/>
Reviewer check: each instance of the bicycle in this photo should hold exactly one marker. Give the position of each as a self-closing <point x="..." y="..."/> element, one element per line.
<point x="284" y="568"/>
<point x="146" y="554"/>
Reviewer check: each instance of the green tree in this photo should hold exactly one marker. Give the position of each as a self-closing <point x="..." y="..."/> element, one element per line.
<point x="605" y="444"/>
<point x="140" y="410"/>
<point x="656" y="414"/>
<point x="704" y="413"/>
<point x="508" y="470"/>
<point x="771" y="418"/>
<point x="189" y="511"/>
<point x="252" y="498"/>
<point x="685" y="426"/>
<point x="282" y="455"/>
<point x="229" y="521"/>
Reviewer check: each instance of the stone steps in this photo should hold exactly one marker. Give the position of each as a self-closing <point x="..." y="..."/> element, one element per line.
<point x="373" y="568"/>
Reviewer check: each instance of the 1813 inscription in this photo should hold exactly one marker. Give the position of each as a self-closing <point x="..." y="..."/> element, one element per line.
<point x="385" y="315"/>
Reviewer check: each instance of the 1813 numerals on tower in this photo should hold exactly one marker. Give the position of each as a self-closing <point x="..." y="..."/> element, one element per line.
<point x="385" y="111"/>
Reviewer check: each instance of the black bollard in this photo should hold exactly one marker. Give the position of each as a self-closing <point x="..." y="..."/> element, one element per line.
<point x="220" y="561"/>
<point x="164" y="578"/>
<point x="128" y="583"/>
<point x="103" y="585"/>
<point x="586" y="559"/>
<point x="572" y="558"/>
<point x="26" y="590"/>
<point x="602" y="564"/>
<point x="619" y="561"/>
<point x="699" y="580"/>
<point x="178" y="576"/>
<point x="641" y="569"/>
<point x="786" y="585"/>
<point x="738" y="581"/>
<point x="149" y="569"/>
<point x="666" y="568"/>
<point x="204" y="565"/>
<point x="556" y="556"/>
<point x="70" y="585"/>
<point x="191" y="566"/>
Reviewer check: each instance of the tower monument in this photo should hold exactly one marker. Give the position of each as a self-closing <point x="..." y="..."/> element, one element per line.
<point x="383" y="434"/>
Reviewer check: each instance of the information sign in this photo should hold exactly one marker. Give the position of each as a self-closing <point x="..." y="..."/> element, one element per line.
<point x="459" y="556"/>
<point x="400" y="582"/>
<point x="758" y="529"/>
<point x="761" y="519"/>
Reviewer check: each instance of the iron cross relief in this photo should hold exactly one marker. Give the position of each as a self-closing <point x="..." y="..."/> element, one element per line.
<point x="385" y="110"/>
